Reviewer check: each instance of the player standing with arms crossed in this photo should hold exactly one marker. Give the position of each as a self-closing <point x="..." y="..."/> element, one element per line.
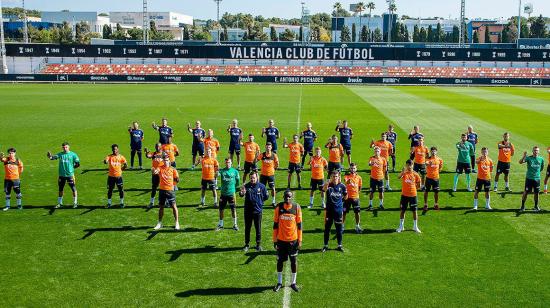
<point x="465" y="150"/>
<point x="296" y="150"/>
<point x="505" y="152"/>
<point x="236" y="137"/>
<point x="346" y="134"/>
<point x="483" y="182"/>
<point x="270" y="163"/>
<point x="230" y="182"/>
<point x="535" y="165"/>
<point x="210" y="169"/>
<point x="13" y="168"/>
<point x="310" y="136"/>
<point x="117" y="163"/>
<point x="255" y="194"/>
<point x="420" y="153"/>
<point x="379" y="166"/>
<point x="335" y="154"/>
<point x="136" y="139"/>
<point x="197" y="147"/>
<point x="386" y="150"/>
<point x="391" y="136"/>
<point x="271" y="134"/>
<point x="287" y="238"/>
<point x="68" y="161"/>
<point x="473" y="138"/>
<point x="157" y="161"/>
<point x="251" y="153"/>
<point x="335" y="193"/>
<point x="318" y="165"/>
<point x="354" y="183"/>
<point x="410" y="182"/>
<point x="434" y="166"/>
<point x="212" y="143"/>
<point x="167" y="196"/>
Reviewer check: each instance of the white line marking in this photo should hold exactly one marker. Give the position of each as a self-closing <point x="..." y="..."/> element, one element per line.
<point x="286" y="297"/>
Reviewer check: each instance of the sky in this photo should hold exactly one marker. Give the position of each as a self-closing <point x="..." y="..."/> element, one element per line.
<point x="206" y="9"/>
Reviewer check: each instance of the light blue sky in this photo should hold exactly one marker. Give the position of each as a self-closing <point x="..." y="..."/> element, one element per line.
<point x="290" y="8"/>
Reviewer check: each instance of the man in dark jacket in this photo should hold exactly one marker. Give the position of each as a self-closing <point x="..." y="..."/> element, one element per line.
<point x="254" y="194"/>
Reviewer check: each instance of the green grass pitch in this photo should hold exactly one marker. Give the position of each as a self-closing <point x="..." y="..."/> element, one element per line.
<point x="97" y="257"/>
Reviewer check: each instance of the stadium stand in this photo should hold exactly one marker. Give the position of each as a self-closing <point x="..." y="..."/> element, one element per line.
<point x="277" y="70"/>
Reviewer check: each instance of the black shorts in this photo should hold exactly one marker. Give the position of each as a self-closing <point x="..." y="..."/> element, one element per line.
<point x="155" y="180"/>
<point x="420" y="168"/>
<point x="235" y="148"/>
<point x="286" y="249"/>
<point x="114" y="181"/>
<point x="268" y="180"/>
<point x="66" y="179"/>
<point x="12" y="184"/>
<point x="352" y="203"/>
<point x="376" y="185"/>
<point x="248" y="167"/>
<point x="167" y="197"/>
<point x="347" y="149"/>
<point x="308" y="151"/>
<point x="432" y="185"/>
<point x="410" y="202"/>
<point x="316" y="184"/>
<point x="332" y="166"/>
<point x="532" y="186"/>
<point x="503" y="167"/>
<point x="208" y="184"/>
<point x="294" y="167"/>
<point x="463" y="168"/>
<point x="225" y="200"/>
<point x="198" y="149"/>
<point x="484" y="185"/>
<point x="173" y="164"/>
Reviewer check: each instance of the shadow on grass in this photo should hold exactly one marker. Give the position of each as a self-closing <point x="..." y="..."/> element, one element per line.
<point x="152" y="234"/>
<point x="222" y="291"/>
<point x="254" y="254"/>
<point x="175" y="254"/>
<point x="90" y="232"/>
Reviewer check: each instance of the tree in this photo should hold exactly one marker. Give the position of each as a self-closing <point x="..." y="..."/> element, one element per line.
<point x="538" y="28"/>
<point x="324" y="35"/>
<point x="416" y="34"/>
<point x="377" y="35"/>
<point x="439" y="34"/>
<point x="287" y="35"/>
<point x="201" y="35"/>
<point x="423" y="35"/>
<point x="82" y="33"/>
<point x="186" y="35"/>
<point x="353" y="33"/>
<point x="487" y="38"/>
<point x="107" y="31"/>
<point x="455" y="35"/>
<point x="322" y="20"/>
<point x="64" y="34"/>
<point x="364" y="34"/>
<point x="339" y="11"/>
<point x="431" y="36"/>
<point x="359" y="8"/>
<point x="371" y="6"/>
<point x="119" y="33"/>
<point x="273" y="34"/>
<point x="345" y="35"/>
<point x="505" y="35"/>
<point x="225" y="34"/>
<point x="135" y="34"/>
<point x="301" y="34"/>
<point x="476" y="37"/>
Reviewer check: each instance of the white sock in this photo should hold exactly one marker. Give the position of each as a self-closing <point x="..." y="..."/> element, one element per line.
<point x="381" y="201"/>
<point x="202" y="199"/>
<point x="507" y="185"/>
<point x="109" y="202"/>
<point x="401" y="222"/>
<point x="7" y="202"/>
<point x="121" y="200"/>
<point x="475" y="202"/>
<point x="153" y="200"/>
<point x="235" y="221"/>
<point x="19" y="200"/>
<point x="280" y="277"/>
<point x="293" y="277"/>
<point x="496" y="184"/>
<point x="388" y="183"/>
<point x="220" y="223"/>
<point x="370" y="202"/>
<point x="215" y="199"/>
<point x="273" y="199"/>
<point x="311" y="200"/>
<point x="75" y="200"/>
<point x="415" y="224"/>
<point x="545" y="186"/>
<point x="59" y="200"/>
<point x="488" y="201"/>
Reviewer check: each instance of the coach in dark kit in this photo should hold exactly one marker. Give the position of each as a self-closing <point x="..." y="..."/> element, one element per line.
<point x="255" y="194"/>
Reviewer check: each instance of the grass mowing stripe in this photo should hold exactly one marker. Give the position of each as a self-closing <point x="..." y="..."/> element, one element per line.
<point x="511" y="118"/>
<point x="531" y="92"/>
<point x="509" y="98"/>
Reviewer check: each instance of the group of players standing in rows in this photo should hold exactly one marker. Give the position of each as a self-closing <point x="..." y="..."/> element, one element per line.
<point x="338" y="196"/>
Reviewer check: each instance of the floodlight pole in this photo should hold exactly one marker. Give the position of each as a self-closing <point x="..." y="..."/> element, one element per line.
<point x="145" y="23"/>
<point x="25" y="26"/>
<point x="462" y="29"/>
<point x="2" y="43"/>
<point x="218" y="19"/>
<point x="519" y="23"/>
